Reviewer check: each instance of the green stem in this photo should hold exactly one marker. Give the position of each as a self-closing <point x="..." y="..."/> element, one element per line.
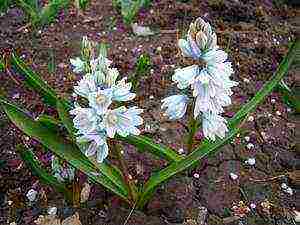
<point x="131" y="187"/>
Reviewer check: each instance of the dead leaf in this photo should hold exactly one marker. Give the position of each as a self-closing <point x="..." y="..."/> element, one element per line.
<point x="72" y="220"/>
<point x="295" y="177"/>
<point x="140" y="30"/>
<point x="48" y="220"/>
<point x="85" y="192"/>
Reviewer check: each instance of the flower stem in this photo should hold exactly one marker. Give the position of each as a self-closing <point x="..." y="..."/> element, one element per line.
<point x="125" y="173"/>
<point x="192" y="126"/>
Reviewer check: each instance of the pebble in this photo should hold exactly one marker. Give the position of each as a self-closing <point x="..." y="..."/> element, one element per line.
<point x="273" y="100"/>
<point x="250" y="161"/>
<point x="250" y="118"/>
<point x="252" y="205"/>
<point x="233" y="176"/>
<point x="247" y="138"/>
<point x="181" y="151"/>
<point x="250" y="145"/>
<point x="278" y="113"/>
<point x="52" y="211"/>
<point x="32" y="195"/>
<point x="196" y="175"/>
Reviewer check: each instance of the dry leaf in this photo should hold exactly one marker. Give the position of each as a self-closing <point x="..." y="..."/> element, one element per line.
<point x="295" y="177"/>
<point x="72" y="220"/>
<point x="48" y="220"/>
<point x="85" y="192"/>
<point x="140" y="30"/>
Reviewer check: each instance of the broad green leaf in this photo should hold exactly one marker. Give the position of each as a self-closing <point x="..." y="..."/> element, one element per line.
<point x="49" y="122"/>
<point x="207" y="147"/>
<point x="34" y="81"/>
<point x="35" y="166"/>
<point x="105" y="175"/>
<point x="63" y="112"/>
<point x="144" y="143"/>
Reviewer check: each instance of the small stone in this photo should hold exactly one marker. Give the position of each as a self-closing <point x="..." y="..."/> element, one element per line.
<point x="250" y="161"/>
<point x="252" y="205"/>
<point x="151" y="97"/>
<point x="278" y="113"/>
<point x="247" y="138"/>
<point x="52" y="211"/>
<point x="233" y="176"/>
<point x="181" y="151"/>
<point x="13" y="223"/>
<point x="273" y="100"/>
<point x="196" y="175"/>
<point x="152" y="71"/>
<point x="10" y="202"/>
<point x="250" y="118"/>
<point x="158" y="48"/>
<point x="250" y="145"/>
<point x="246" y="80"/>
<point x="289" y="191"/>
<point x="32" y="195"/>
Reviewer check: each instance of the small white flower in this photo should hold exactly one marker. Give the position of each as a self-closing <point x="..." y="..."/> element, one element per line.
<point x="32" y="195"/>
<point x="278" y="113"/>
<point x="122" y="121"/>
<point x="79" y="65"/>
<point x="233" y="176"/>
<point x="250" y="146"/>
<point x="85" y="119"/>
<point x="250" y="118"/>
<point x="85" y="86"/>
<point x="175" y="106"/>
<point x="185" y="77"/>
<point x="250" y="161"/>
<point x="121" y="91"/>
<point x="214" y="125"/>
<point x="100" y="100"/>
<point x="181" y="151"/>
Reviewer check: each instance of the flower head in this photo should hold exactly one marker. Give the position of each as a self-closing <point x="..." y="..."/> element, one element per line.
<point x="97" y="121"/>
<point x="214" y="125"/>
<point x="175" y="106"/>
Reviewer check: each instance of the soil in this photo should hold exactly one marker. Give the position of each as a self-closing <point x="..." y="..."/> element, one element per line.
<point x="255" y="34"/>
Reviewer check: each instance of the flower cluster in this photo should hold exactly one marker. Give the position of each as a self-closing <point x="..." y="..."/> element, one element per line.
<point x="97" y="121"/>
<point x="211" y="84"/>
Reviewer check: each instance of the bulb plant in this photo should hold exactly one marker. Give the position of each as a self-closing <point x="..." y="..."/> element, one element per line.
<point x="96" y="122"/>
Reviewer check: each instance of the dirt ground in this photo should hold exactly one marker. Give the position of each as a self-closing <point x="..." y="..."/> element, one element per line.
<point x="256" y="36"/>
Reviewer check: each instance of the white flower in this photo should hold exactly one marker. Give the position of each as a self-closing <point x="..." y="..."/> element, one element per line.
<point x="100" y="149"/>
<point x="79" y="65"/>
<point x="100" y="100"/>
<point x="85" y="119"/>
<point x="32" y="195"/>
<point x="185" y="77"/>
<point x="175" y="106"/>
<point x="121" y="91"/>
<point x="214" y="125"/>
<point x="85" y="86"/>
<point x="122" y="121"/>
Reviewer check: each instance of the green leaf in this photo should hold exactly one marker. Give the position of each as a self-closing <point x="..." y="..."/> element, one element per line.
<point x="30" y="11"/>
<point x="105" y="174"/>
<point x="290" y="97"/>
<point x="50" y="11"/>
<point x="49" y="122"/>
<point x="34" y="81"/>
<point x="144" y="143"/>
<point x="207" y="147"/>
<point x="64" y="115"/>
<point x="35" y="166"/>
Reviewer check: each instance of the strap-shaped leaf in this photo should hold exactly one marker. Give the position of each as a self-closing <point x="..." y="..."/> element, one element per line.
<point x="207" y="147"/>
<point x="106" y="175"/>
<point x="30" y="160"/>
<point x="144" y="143"/>
<point x="63" y="112"/>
